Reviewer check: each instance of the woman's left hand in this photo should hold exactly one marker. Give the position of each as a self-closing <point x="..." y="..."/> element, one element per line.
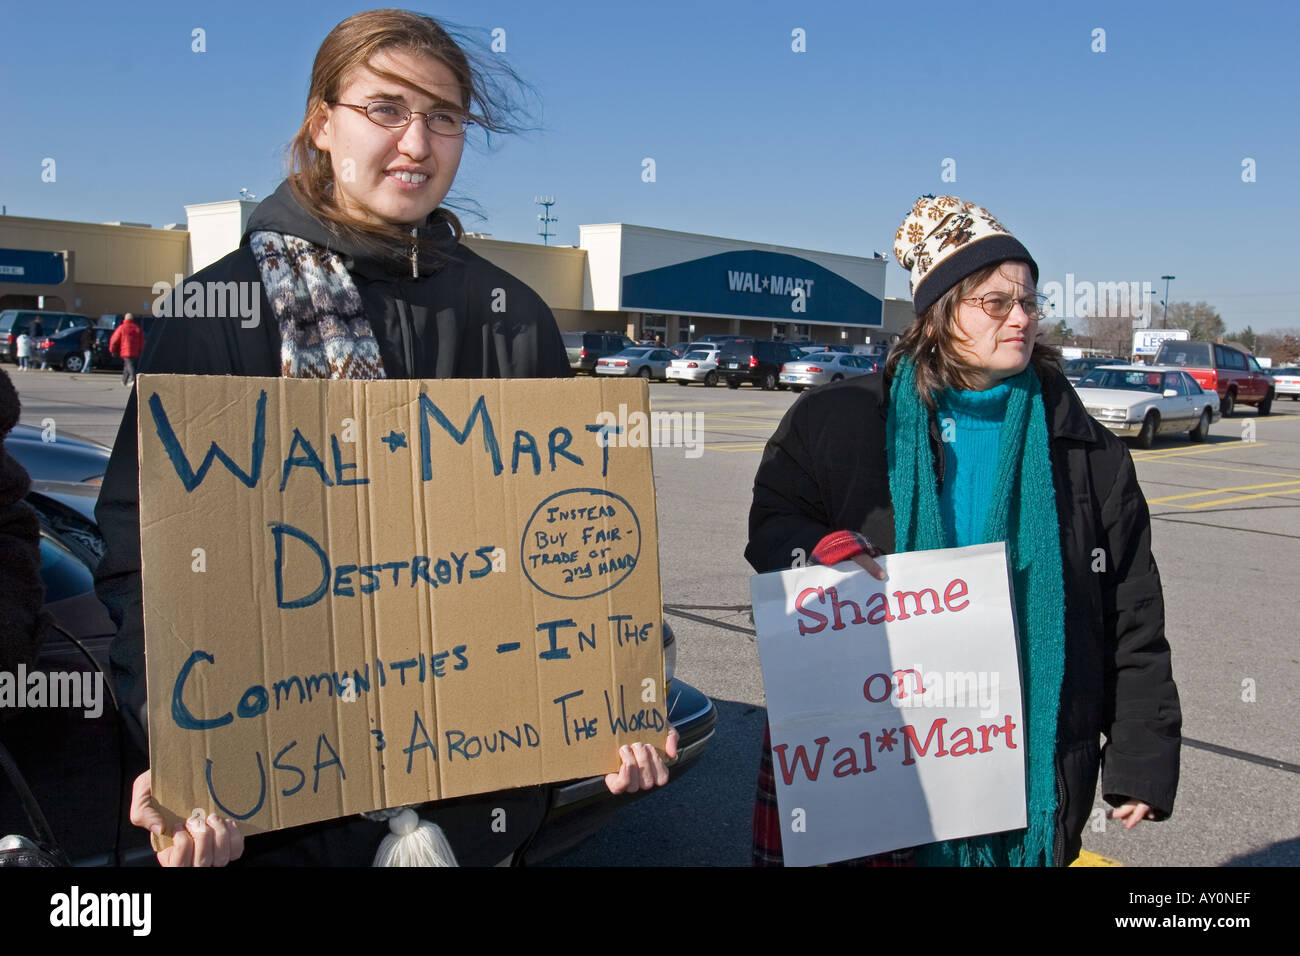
<point x="643" y="767"/>
<point x="1132" y="813"/>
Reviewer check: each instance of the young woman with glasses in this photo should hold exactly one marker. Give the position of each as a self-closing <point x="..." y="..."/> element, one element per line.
<point x="362" y="275"/>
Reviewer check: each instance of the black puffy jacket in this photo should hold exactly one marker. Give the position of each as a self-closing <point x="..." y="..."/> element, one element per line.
<point x="825" y="470"/>
<point x="459" y="316"/>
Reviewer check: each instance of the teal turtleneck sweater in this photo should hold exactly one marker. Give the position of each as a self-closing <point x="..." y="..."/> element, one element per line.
<point x="971" y="426"/>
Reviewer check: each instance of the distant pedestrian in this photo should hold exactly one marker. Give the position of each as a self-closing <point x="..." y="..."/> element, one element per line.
<point x="38" y="332"/>
<point x="87" y="345"/>
<point x="128" y="342"/>
<point x="24" y="345"/>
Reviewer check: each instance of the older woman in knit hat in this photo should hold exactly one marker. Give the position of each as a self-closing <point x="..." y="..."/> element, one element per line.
<point x="972" y="435"/>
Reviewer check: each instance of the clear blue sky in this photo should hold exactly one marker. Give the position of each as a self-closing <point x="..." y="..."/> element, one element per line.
<point x="1117" y="166"/>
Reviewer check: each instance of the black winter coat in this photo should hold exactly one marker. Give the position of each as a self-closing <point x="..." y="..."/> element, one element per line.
<point x="440" y="323"/>
<point x="825" y="470"/>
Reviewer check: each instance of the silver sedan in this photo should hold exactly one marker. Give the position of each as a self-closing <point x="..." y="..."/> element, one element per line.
<point x="823" y="367"/>
<point x="697" y="365"/>
<point x="642" y="360"/>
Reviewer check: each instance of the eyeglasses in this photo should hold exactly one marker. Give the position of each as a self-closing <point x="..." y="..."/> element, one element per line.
<point x="998" y="305"/>
<point x="445" y="122"/>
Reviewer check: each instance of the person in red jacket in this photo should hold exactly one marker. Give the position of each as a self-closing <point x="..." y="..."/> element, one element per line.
<point x="128" y="342"/>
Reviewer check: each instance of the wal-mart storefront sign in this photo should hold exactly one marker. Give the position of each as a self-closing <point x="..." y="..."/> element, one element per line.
<point x="754" y="284"/>
<point x="32" y="266"/>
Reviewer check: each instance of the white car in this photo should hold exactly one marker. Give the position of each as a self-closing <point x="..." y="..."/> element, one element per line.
<point x="1142" y="401"/>
<point x="1286" y="381"/>
<point x="697" y="365"/>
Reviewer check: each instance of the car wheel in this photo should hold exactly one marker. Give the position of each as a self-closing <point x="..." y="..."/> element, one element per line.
<point x="710" y="379"/>
<point x="769" y="381"/>
<point x="645" y="372"/>
<point x="1266" y="405"/>
<point x="1228" y="402"/>
<point x="72" y="363"/>
<point x="1202" y="429"/>
<point x="837" y="377"/>
<point x="1147" y="435"/>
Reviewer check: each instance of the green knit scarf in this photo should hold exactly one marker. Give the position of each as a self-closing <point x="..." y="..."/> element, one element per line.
<point x="1022" y="513"/>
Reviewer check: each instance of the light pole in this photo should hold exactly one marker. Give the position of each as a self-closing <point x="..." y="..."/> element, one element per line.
<point x="1164" y="318"/>
<point x="545" y="218"/>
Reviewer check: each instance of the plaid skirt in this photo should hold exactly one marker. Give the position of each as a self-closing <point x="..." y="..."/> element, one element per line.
<point x="767" y="823"/>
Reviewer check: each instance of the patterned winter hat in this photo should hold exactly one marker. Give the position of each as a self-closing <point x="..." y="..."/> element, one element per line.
<point x="944" y="239"/>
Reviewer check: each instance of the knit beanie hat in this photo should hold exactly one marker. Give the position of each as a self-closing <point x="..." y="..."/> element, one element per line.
<point x="944" y="239"/>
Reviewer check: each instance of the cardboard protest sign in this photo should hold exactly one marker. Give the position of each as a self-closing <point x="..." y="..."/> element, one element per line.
<point x="895" y="705"/>
<point x="364" y="594"/>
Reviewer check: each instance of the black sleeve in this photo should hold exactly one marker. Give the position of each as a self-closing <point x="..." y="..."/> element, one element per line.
<point x="22" y="623"/>
<point x="789" y="514"/>
<point x="1142" y="717"/>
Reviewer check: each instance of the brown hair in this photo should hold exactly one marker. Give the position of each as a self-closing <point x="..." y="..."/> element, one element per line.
<point x="351" y="45"/>
<point x="931" y="342"/>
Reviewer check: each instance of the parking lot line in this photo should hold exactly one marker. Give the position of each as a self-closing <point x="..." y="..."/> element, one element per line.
<point x="1087" y="858"/>
<point x="1155" y="455"/>
<point x="738" y="446"/>
<point x="1245" y="471"/>
<point x="1293" y="487"/>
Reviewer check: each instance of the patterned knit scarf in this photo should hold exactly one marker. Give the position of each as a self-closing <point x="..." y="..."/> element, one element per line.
<point x="1022" y="513"/>
<point x="323" y="328"/>
<point x="324" y="334"/>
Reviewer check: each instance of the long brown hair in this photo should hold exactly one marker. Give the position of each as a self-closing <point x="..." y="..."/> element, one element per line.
<point x="485" y="95"/>
<point x="931" y="342"/>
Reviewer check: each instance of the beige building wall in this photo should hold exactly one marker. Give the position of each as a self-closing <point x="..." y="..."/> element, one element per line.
<point x="554" y="272"/>
<point x="109" y="268"/>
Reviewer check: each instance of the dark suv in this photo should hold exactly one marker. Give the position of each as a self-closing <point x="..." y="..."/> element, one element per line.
<point x="585" y="348"/>
<point x="14" y="322"/>
<point x="757" y="362"/>
<point x="1231" y="372"/>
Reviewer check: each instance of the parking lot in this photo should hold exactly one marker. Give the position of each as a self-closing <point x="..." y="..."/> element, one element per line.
<point x="1226" y="532"/>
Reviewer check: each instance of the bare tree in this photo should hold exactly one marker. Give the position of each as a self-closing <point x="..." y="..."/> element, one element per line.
<point x="1202" y="320"/>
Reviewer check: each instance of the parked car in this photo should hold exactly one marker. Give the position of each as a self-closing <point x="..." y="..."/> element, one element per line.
<point x="1231" y="372"/>
<point x="57" y="455"/>
<point x="64" y="351"/>
<point x="1286" y="381"/>
<point x="81" y="769"/>
<point x="812" y="348"/>
<point x="1076" y="369"/>
<point x="697" y="365"/>
<point x="722" y="338"/>
<point x="641" y="360"/>
<point x="586" y="348"/>
<point x="14" y="322"/>
<point x="822" y="367"/>
<point x="757" y="362"/>
<point x="1142" y="401"/>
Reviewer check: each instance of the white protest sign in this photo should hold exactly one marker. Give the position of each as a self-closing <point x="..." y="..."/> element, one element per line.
<point x="895" y="705"/>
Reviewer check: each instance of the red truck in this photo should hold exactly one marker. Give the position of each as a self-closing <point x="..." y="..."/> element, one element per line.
<point x="1225" y="369"/>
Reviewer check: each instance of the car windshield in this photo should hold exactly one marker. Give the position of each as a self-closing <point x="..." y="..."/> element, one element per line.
<point x="1123" y="379"/>
<point x="820" y="357"/>
<point x="634" y="353"/>
<point x="1185" y="355"/>
<point x="699" y="354"/>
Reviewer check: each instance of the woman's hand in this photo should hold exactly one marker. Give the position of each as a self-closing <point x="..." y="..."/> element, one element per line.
<point x="868" y="564"/>
<point x="197" y="842"/>
<point x="1132" y="813"/>
<point x="642" y="767"/>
